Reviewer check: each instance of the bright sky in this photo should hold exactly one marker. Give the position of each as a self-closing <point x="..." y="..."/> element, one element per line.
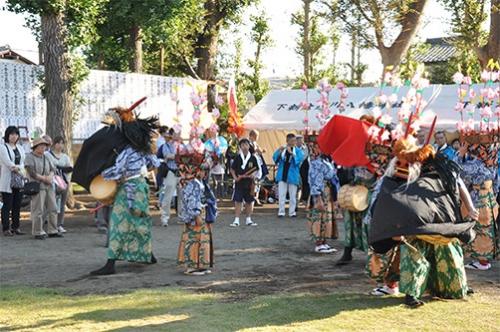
<point x="280" y="60"/>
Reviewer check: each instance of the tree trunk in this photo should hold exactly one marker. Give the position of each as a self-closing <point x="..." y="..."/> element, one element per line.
<point x="136" y="43"/>
<point x="307" y="48"/>
<point x="353" y="55"/>
<point x="40" y="53"/>
<point x="206" y="44"/>
<point x="492" y="49"/>
<point x="410" y="24"/>
<point x="57" y="78"/>
<point x="162" y="60"/>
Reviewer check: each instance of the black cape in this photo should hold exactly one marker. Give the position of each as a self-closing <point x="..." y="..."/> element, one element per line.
<point x="98" y="152"/>
<point x="423" y="207"/>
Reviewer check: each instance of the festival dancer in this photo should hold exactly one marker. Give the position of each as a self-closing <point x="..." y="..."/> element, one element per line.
<point x="481" y="181"/>
<point x="321" y="171"/>
<point x="196" y="246"/>
<point x="418" y="208"/>
<point x="130" y="222"/>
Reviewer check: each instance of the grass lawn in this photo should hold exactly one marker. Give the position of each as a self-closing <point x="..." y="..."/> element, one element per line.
<point x="170" y="309"/>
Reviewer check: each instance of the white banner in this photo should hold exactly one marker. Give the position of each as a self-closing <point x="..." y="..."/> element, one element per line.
<point x="22" y="104"/>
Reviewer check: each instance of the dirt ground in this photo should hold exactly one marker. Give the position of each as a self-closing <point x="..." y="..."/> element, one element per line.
<point x="276" y="256"/>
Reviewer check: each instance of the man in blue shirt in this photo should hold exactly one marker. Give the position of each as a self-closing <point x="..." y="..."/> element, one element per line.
<point x="288" y="158"/>
<point x="442" y="147"/>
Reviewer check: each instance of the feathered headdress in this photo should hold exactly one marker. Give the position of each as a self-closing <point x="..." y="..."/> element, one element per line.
<point x="139" y="132"/>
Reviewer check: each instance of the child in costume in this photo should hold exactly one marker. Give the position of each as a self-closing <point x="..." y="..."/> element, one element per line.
<point x="196" y="248"/>
<point x="321" y="171"/>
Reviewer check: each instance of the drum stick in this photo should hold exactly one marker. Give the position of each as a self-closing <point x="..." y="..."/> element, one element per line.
<point x="94" y="210"/>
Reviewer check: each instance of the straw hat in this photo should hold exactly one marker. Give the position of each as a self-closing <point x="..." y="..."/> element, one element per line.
<point x="39" y="141"/>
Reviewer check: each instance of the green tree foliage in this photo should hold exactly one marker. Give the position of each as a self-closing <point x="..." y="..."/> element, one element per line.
<point x="468" y="21"/>
<point x="79" y="17"/>
<point x="311" y="42"/>
<point x="261" y="38"/>
<point x="387" y="25"/>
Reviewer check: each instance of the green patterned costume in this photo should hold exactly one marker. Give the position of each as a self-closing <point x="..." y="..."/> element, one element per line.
<point x="436" y="268"/>
<point x="356" y="231"/>
<point x="130" y="234"/>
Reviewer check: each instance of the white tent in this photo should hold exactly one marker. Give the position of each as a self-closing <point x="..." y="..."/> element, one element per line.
<point x="280" y="109"/>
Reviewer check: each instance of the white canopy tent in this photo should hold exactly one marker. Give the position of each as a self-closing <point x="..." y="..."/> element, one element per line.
<point x="280" y="109"/>
<point x="279" y="112"/>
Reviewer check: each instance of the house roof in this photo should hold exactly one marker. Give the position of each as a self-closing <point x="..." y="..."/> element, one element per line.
<point x="7" y="53"/>
<point x="440" y="50"/>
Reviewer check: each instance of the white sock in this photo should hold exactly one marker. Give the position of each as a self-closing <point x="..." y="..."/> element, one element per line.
<point x="249" y="220"/>
<point x="236" y="220"/>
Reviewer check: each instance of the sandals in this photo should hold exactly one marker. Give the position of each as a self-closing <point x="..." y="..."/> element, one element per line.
<point x="413" y="302"/>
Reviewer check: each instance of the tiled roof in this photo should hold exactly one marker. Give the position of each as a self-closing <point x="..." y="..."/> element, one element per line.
<point x="439" y="51"/>
<point x="7" y="53"/>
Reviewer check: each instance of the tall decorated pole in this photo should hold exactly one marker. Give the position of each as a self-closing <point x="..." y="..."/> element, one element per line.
<point x="235" y="122"/>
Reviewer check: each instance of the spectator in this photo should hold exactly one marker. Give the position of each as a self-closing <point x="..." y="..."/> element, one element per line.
<point x="455" y="144"/>
<point x="304" y="170"/>
<point x="259" y="154"/>
<point x="163" y="132"/>
<point x="171" y="181"/>
<point x="11" y="180"/>
<point x="41" y="170"/>
<point x="244" y="169"/>
<point x="442" y="147"/>
<point x="421" y="137"/>
<point x="217" y="145"/>
<point x="62" y="163"/>
<point x="288" y="158"/>
<point x="162" y="170"/>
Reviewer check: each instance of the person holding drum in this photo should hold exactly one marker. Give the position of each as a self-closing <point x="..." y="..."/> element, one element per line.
<point x="354" y="198"/>
<point x="130" y="222"/>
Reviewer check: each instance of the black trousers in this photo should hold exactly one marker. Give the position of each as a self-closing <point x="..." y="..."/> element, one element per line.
<point x="11" y="207"/>
<point x="304" y="175"/>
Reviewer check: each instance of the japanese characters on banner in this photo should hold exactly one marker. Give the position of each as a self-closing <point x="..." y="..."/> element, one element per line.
<point x="22" y="104"/>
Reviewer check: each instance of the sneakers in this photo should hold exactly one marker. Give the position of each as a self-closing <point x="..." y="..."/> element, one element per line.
<point x="164" y="221"/>
<point x="235" y="223"/>
<point x="194" y="272"/>
<point x="61" y="229"/>
<point x="384" y="291"/>
<point x="249" y="222"/>
<point x="324" y="249"/>
<point x="478" y="266"/>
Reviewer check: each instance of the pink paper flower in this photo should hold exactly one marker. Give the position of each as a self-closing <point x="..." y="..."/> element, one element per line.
<point x="377" y="112"/>
<point x="393" y="98"/>
<point x="472" y="94"/>
<point x="386" y="119"/>
<point x="486" y="112"/>
<point x="177" y="128"/>
<point x="458" y="78"/>
<point x="467" y="80"/>
<point x="382" y="99"/>
<point x="485" y="75"/>
<point x="385" y="136"/>
<point x="216" y="113"/>
<point x="304" y="87"/>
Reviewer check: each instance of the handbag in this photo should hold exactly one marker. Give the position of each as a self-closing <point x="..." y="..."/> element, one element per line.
<point x="32" y="188"/>
<point x="17" y="180"/>
<point x="61" y="185"/>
